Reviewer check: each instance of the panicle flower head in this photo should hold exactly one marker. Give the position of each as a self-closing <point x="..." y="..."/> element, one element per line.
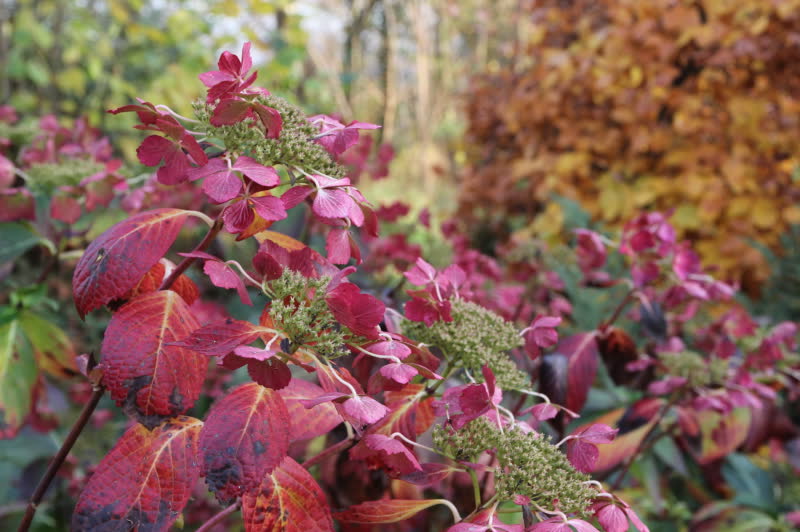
<point x="475" y="337"/>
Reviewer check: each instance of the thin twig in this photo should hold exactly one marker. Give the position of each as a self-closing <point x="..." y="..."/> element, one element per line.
<point x="59" y="458"/>
<point x="219" y="517"/>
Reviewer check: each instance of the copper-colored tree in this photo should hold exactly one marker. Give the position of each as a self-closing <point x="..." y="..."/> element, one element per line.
<point x="636" y="104"/>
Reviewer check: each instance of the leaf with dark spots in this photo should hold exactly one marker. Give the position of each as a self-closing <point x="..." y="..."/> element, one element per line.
<point x="142" y="370"/>
<point x="245" y="436"/>
<point x="18" y="374"/>
<point x="287" y="500"/>
<point x="118" y="259"/>
<point x="144" y="482"/>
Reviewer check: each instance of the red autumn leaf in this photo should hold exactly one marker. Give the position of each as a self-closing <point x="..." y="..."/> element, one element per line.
<point x="229" y="111"/>
<point x="288" y="500"/>
<point x="408" y="413"/>
<point x="361" y="313"/>
<point x="272" y="373"/>
<point x="581" y="351"/>
<point x="308" y="423"/>
<point x="117" y="260"/>
<point x="245" y="436"/>
<point x="224" y="276"/>
<point x="144" y="482"/>
<point x="186" y="288"/>
<point x="145" y="374"/>
<point x="65" y="208"/>
<point x="219" y="339"/>
<point x="150" y="282"/>
<point x="583" y="456"/>
<point x="385" y="510"/>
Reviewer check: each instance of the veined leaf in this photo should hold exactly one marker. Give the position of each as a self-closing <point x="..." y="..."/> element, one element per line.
<point x="288" y="500"/>
<point x="311" y="422"/>
<point x="145" y="374"/>
<point x="245" y="436"/>
<point x="144" y="482"/>
<point x="17" y="377"/>
<point x="52" y="348"/>
<point x="385" y="510"/>
<point x="118" y="259"/>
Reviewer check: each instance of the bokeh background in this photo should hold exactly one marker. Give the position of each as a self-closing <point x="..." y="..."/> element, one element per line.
<point x="501" y="111"/>
<point x="513" y="120"/>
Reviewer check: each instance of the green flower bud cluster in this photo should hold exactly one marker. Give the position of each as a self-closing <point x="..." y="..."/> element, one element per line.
<point x="21" y="133"/>
<point x="528" y="464"/>
<point x="294" y="147"/>
<point x="475" y="337"/>
<point x="467" y="444"/>
<point x="69" y="172"/>
<point x="299" y="309"/>
<point x="694" y="368"/>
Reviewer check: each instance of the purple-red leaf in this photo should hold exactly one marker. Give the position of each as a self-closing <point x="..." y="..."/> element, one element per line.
<point x="116" y="260"/>
<point x="288" y="500"/>
<point x="583" y="356"/>
<point x="244" y="438"/>
<point x="144" y="373"/>
<point x="144" y="482"/>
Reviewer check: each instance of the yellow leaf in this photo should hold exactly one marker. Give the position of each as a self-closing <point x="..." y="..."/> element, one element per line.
<point x="764" y="213"/>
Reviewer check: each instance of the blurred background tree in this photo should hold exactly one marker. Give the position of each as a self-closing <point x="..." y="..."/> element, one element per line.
<point x="620" y="106"/>
<point x="683" y="106"/>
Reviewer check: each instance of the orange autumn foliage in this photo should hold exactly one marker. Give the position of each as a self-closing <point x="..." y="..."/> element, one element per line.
<point x="626" y="105"/>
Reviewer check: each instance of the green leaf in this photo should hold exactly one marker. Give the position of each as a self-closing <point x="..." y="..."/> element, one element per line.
<point x="17" y="377"/>
<point x="52" y="348"/>
<point x="15" y="239"/>
<point x="38" y="73"/>
<point x="753" y="485"/>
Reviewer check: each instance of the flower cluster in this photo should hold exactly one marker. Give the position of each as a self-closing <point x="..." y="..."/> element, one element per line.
<point x="475" y="337"/>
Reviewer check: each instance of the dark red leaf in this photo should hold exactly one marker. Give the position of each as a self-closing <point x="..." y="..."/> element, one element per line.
<point x="116" y="260"/>
<point x="229" y="112"/>
<point x="144" y="482"/>
<point x="144" y="373"/>
<point x="583" y="356"/>
<point x="245" y="436"/>
<point x="272" y="373"/>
